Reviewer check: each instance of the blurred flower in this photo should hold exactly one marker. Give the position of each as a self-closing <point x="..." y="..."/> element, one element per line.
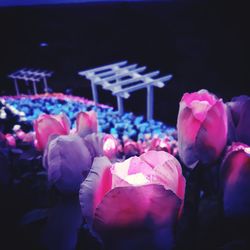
<point x="110" y="146"/>
<point x="131" y="148"/>
<point x="86" y="123"/>
<point x="47" y="125"/>
<point x="160" y="144"/>
<point x="202" y="128"/>
<point x="10" y="139"/>
<point x="29" y="137"/>
<point x="235" y="179"/>
<point x="143" y="192"/>
<point x="240" y="112"/>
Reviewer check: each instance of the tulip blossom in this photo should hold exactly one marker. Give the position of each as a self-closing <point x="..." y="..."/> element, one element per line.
<point x="131" y="148"/>
<point x="109" y="146"/>
<point x="240" y="112"/>
<point x="202" y="128"/>
<point x="47" y="125"/>
<point x="143" y="192"/>
<point x="235" y="178"/>
<point x="86" y="123"/>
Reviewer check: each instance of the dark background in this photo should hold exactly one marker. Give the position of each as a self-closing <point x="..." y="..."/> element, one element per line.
<point x="202" y="43"/>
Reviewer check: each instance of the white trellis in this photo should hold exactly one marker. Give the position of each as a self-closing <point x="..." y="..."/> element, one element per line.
<point x="31" y="75"/>
<point x="123" y="79"/>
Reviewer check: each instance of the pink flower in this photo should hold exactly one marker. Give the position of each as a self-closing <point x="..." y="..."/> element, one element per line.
<point x="235" y="178"/>
<point x="202" y="128"/>
<point x="47" y="125"/>
<point x="143" y="192"/>
<point x="20" y="134"/>
<point x="86" y="123"/>
<point x="131" y="148"/>
<point x="160" y="144"/>
<point x="10" y="139"/>
<point x="110" y="145"/>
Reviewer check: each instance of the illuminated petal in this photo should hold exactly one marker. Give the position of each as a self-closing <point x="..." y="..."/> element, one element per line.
<point x="45" y="126"/>
<point x="148" y="205"/>
<point x="94" y="187"/>
<point x="212" y="136"/>
<point x="86" y="123"/>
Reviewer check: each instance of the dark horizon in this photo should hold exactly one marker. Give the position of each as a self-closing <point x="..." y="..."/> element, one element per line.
<point x="199" y="43"/>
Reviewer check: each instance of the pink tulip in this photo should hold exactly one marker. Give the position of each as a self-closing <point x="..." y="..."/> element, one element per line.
<point x="20" y="134"/>
<point x="235" y="178"/>
<point x="202" y="128"/>
<point x="109" y="146"/>
<point x="131" y="148"/>
<point x="47" y="125"/>
<point x="141" y="192"/>
<point x="86" y="123"/>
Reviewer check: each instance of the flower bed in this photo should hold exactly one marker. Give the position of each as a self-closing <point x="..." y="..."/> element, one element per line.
<point x="68" y="185"/>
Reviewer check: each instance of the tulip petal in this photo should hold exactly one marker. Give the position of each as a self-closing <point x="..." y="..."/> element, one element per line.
<point x="68" y="161"/>
<point x="168" y="171"/>
<point x="235" y="176"/>
<point x="201" y="95"/>
<point x="212" y="136"/>
<point x="187" y="127"/>
<point x="45" y="126"/>
<point x="64" y="121"/>
<point x="94" y="187"/>
<point x="86" y="123"/>
<point x="95" y="143"/>
<point x="149" y="205"/>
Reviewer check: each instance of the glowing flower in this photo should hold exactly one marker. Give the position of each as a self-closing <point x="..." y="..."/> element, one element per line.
<point x="202" y="128"/>
<point x="235" y="177"/>
<point x="143" y="192"/>
<point x="47" y="125"/>
<point x="131" y="148"/>
<point x="109" y="146"/>
<point x="86" y="123"/>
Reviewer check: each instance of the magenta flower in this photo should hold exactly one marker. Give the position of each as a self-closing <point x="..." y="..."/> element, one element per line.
<point x="47" y="125"/>
<point x="240" y="111"/>
<point x="110" y="145"/>
<point x="131" y="148"/>
<point x="10" y="139"/>
<point x="202" y="128"/>
<point x="235" y="178"/>
<point x="143" y="192"/>
<point x="86" y="123"/>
